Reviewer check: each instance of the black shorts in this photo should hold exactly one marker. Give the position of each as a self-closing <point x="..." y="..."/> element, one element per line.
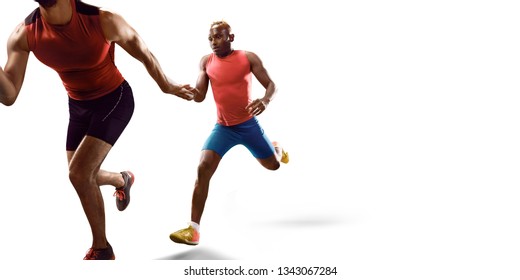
<point x="104" y="118"/>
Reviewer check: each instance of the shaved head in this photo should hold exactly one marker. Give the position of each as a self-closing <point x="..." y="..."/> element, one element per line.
<point x="221" y="23"/>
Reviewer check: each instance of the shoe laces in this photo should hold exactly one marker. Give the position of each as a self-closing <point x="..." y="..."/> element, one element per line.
<point x="120" y="193"/>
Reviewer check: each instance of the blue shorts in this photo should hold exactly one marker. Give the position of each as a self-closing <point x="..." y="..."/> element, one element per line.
<point x="104" y="118"/>
<point x="249" y="133"/>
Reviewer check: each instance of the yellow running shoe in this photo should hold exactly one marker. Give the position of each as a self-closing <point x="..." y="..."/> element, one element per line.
<point x="285" y="157"/>
<point x="188" y="236"/>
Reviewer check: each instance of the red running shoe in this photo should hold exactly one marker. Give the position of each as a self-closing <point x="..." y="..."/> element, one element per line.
<point x="100" y="254"/>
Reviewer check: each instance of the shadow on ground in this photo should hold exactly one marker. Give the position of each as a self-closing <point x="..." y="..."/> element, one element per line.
<point x="303" y="222"/>
<point x="199" y="253"/>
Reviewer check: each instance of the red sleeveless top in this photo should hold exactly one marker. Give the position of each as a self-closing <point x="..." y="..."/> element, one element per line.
<point x="78" y="51"/>
<point x="230" y="79"/>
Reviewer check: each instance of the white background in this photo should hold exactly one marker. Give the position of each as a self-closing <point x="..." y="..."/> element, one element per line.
<point x="401" y="119"/>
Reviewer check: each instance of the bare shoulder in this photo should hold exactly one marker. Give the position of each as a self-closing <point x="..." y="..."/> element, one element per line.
<point x="108" y="17"/>
<point x="205" y="58"/>
<point x="251" y="54"/>
<point x="18" y="38"/>
<point x="204" y="61"/>
<point x="105" y="13"/>
<point x="114" y="26"/>
<point x="253" y="58"/>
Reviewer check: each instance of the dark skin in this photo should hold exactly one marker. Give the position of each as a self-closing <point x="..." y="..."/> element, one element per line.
<point x="220" y="39"/>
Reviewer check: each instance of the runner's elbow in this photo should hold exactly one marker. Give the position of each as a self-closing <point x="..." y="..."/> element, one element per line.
<point x="8" y="101"/>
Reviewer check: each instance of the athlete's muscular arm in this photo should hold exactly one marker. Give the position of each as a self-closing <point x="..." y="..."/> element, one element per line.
<point x="12" y="76"/>
<point x="202" y="80"/>
<point x="117" y="30"/>
<point x="257" y="68"/>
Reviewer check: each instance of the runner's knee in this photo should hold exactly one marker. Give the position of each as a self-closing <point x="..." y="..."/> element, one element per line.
<point x="79" y="177"/>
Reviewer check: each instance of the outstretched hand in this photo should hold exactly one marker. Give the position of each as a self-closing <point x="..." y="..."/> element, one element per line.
<point x="257" y="107"/>
<point x="186" y="92"/>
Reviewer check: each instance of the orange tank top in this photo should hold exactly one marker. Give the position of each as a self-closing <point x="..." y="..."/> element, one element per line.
<point x="230" y="79"/>
<point x="77" y="51"/>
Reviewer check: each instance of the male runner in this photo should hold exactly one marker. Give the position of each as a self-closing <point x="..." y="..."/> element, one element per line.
<point x="230" y="73"/>
<point x="77" y="40"/>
